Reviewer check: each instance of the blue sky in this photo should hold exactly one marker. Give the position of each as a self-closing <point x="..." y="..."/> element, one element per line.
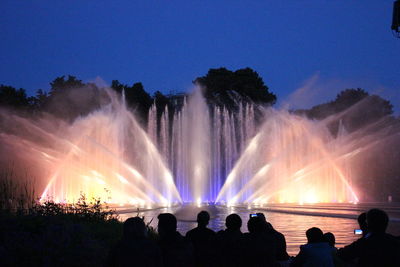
<point x="319" y="46"/>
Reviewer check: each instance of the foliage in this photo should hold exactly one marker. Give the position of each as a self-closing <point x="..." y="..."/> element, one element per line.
<point x="70" y="97"/>
<point x="136" y="97"/>
<point x="17" y="194"/>
<point x="62" y="84"/>
<point x="161" y="101"/>
<point x="82" y="209"/>
<point x="11" y="97"/>
<point x="39" y="101"/>
<point x="64" y="240"/>
<point x="354" y="107"/>
<point x="220" y="84"/>
<point x="50" y="233"/>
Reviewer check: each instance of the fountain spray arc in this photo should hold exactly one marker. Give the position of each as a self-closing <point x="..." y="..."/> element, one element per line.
<point x="105" y="154"/>
<point x="290" y="159"/>
<point x="108" y="151"/>
<point x="200" y="153"/>
<point x="204" y="143"/>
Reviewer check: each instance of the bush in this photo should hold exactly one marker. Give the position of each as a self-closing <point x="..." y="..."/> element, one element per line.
<point x="34" y="233"/>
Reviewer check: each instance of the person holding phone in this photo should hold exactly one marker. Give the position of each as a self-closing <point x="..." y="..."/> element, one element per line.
<point x="376" y="248"/>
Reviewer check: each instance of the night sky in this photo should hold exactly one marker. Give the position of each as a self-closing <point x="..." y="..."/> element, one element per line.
<point x="319" y="46"/>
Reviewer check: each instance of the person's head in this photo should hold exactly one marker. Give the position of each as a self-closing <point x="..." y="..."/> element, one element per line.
<point x="256" y="225"/>
<point x="233" y="222"/>
<point x="377" y="221"/>
<point x="314" y="235"/>
<point x="362" y="221"/>
<point x="330" y="239"/>
<point x="268" y="226"/>
<point x="166" y="224"/>
<point x="261" y="216"/>
<point x="134" y="227"/>
<point x="203" y="218"/>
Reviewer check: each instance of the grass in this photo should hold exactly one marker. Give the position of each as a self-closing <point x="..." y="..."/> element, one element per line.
<point x="16" y="193"/>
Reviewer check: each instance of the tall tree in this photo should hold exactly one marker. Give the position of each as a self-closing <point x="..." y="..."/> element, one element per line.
<point x="61" y="84"/>
<point x="11" y="97"/>
<point x="38" y="101"/>
<point x="117" y="86"/>
<point x="70" y="98"/>
<point x="161" y="101"/>
<point x="136" y="97"/>
<point x="223" y="86"/>
<point x="354" y="107"/>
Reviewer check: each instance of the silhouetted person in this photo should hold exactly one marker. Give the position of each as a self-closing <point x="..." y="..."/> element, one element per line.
<point x="175" y="249"/>
<point x="258" y="247"/>
<point x="316" y="252"/>
<point x="134" y="247"/>
<point x="279" y="240"/>
<point x="377" y="248"/>
<point x="330" y="239"/>
<point x="203" y="240"/>
<point x="229" y="242"/>
<point x="362" y="222"/>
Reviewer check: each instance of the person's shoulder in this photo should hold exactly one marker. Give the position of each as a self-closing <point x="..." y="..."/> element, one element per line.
<point x="210" y="231"/>
<point x="353" y="247"/>
<point x="277" y="233"/>
<point x="304" y="246"/>
<point x="221" y="235"/>
<point x="316" y="245"/>
<point x="391" y="239"/>
<point x="149" y="242"/>
<point x="191" y="232"/>
<point x="381" y="238"/>
<point x="221" y="232"/>
<point x="246" y="237"/>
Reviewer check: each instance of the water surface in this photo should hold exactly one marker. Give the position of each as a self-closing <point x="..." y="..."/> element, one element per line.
<point x="290" y="220"/>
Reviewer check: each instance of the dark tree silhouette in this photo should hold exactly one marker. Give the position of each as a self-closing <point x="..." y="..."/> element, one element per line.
<point x="224" y="86"/>
<point x="378" y="171"/>
<point x="354" y="107"/>
<point x="70" y="98"/>
<point x="161" y="102"/>
<point x="39" y="101"/>
<point x="11" y="97"/>
<point x="61" y="84"/>
<point x="136" y="98"/>
<point x="117" y="86"/>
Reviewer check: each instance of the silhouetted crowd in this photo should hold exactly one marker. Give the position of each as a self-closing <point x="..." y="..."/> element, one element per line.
<point x="261" y="246"/>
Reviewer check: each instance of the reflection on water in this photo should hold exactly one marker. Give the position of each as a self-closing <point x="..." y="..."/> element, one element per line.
<point x="293" y="226"/>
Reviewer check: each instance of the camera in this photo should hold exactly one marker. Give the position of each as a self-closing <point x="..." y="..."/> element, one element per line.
<point x="253" y="215"/>
<point x="358" y="232"/>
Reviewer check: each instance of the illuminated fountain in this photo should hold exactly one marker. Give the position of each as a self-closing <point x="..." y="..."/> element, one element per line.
<point x="290" y="160"/>
<point x="220" y="157"/>
<point x="105" y="154"/>
<point x="202" y="144"/>
<point x="199" y="153"/>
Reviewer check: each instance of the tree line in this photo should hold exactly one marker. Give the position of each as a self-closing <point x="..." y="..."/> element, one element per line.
<point x="221" y="86"/>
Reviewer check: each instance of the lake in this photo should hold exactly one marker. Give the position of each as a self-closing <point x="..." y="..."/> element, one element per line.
<point x="290" y="220"/>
